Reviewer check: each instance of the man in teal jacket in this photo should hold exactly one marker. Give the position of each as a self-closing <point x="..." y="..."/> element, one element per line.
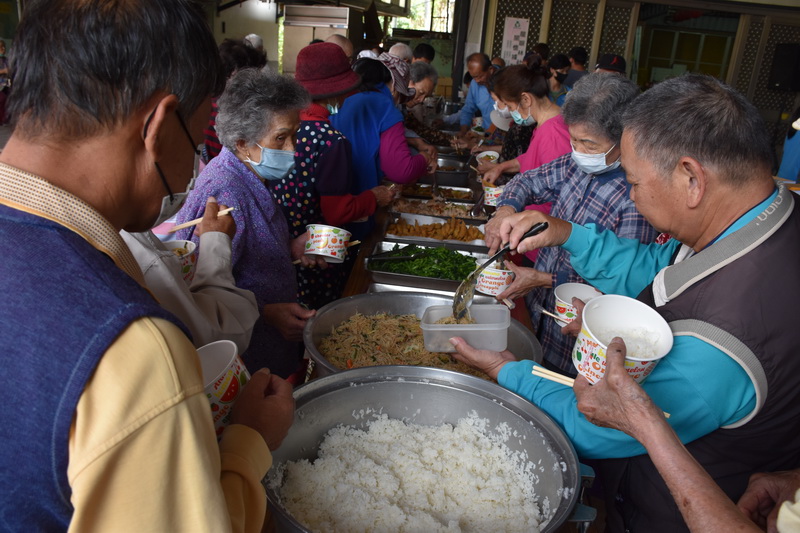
<point x="700" y="170"/>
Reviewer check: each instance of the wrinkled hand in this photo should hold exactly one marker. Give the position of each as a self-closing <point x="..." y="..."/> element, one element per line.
<point x="491" y="172"/>
<point x="574" y="328"/>
<point x="288" y="318"/>
<point x="486" y="361"/>
<point x="383" y="195"/>
<point x="298" y="251"/>
<point x="525" y="279"/>
<point x="462" y="143"/>
<point x="266" y="404"/>
<point x="492" y="236"/>
<point x="213" y="222"/>
<point x="485" y="148"/>
<point x="764" y="495"/>
<point x="617" y="401"/>
<point x="514" y="227"/>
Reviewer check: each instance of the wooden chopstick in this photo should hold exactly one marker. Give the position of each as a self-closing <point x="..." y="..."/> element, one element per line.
<point x="196" y="221"/>
<point x="555" y="377"/>
<point x="548" y="313"/>
<point x="349" y="244"/>
<point x="509" y="303"/>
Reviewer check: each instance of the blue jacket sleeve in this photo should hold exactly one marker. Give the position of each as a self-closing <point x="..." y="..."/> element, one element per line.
<point x="615" y="264"/>
<point x="698" y="385"/>
<point x="470" y="106"/>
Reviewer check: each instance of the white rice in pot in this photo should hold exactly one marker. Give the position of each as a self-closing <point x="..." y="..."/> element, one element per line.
<point x="401" y="477"/>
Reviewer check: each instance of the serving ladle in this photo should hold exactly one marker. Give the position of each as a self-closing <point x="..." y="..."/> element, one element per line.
<point x="466" y="291"/>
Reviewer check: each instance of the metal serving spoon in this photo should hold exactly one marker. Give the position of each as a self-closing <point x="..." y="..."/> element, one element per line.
<point x="466" y="291"/>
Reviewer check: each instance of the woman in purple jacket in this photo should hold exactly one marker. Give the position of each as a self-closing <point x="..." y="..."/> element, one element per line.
<point x="257" y="125"/>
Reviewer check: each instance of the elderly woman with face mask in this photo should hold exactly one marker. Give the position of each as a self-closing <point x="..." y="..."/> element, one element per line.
<point x="257" y="125"/>
<point x="586" y="186"/>
<point x="370" y="119"/>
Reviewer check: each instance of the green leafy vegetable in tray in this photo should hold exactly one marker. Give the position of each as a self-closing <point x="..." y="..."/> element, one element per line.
<point x="439" y="263"/>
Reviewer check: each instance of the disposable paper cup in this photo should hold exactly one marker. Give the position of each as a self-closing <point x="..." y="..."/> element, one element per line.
<point x="224" y="376"/>
<point x="327" y="241"/>
<point x="187" y="253"/>
<point x="491" y="194"/>
<point x="493" y="281"/>
<point x="489" y="156"/>
<point x="564" y="294"/>
<point x="647" y="337"/>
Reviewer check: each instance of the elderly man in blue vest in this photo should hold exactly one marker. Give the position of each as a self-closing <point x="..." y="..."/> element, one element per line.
<point x="107" y="427"/>
<point x="700" y="169"/>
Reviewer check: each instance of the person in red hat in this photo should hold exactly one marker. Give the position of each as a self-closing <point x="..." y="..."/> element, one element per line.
<point x="317" y="190"/>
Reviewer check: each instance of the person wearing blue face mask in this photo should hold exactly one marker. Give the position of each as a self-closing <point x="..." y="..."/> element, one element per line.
<point x="585" y="185"/>
<point x="523" y="90"/>
<point x="257" y="125"/>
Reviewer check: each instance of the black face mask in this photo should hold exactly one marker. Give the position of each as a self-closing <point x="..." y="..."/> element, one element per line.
<point x="560" y="77"/>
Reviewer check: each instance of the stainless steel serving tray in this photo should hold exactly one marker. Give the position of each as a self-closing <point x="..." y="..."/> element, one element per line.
<point x="426" y="193"/>
<point x="419" y="282"/>
<point x="416" y="205"/>
<point x="457" y="177"/>
<point x="473" y="246"/>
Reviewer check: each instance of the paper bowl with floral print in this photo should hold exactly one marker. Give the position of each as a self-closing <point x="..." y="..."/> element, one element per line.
<point x="187" y="254"/>
<point x="327" y="241"/>
<point x="491" y="194"/>
<point x="493" y="281"/>
<point x="646" y="334"/>
<point x="564" y="294"/>
<point x="224" y="377"/>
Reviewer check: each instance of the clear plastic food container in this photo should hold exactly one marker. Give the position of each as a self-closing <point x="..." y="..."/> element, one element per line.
<point x="490" y="332"/>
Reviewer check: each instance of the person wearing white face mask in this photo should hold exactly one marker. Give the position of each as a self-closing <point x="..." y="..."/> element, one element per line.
<point x="257" y="125"/>
<point x="585" y="185"/>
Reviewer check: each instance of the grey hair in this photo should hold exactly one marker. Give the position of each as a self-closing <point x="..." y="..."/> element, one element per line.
<point x="700" y="117"/>
<point x="421" y="70"/>
<point x="598" y="102"/>
<point x="251" y="99"/>
<point x="402" y="50"/>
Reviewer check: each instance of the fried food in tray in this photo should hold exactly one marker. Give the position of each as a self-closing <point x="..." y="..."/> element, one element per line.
<point x="434" y="207"/>
<point x="454" y="229"/>
<point x="417" y="189"/>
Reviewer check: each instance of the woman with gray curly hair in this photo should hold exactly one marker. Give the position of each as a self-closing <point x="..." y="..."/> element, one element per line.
<point x="257" y="125"/>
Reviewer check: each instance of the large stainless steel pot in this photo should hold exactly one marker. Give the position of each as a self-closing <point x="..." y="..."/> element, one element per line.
<point x="430" y="396"/>
<point x="521" y="341"/>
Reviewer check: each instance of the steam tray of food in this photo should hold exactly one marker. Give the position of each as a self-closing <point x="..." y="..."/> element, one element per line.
<point x="433" y="230"/>
<point x="429" y="267"/>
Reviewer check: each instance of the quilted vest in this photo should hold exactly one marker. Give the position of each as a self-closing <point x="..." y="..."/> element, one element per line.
<point x="64" y="304"/>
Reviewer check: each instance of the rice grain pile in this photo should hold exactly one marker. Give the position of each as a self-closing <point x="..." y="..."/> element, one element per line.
<point x="398" y="477"/>
<point x="639" y="342"/>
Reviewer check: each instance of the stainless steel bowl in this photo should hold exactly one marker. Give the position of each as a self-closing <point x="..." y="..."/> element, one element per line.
<point x="521" y="341"/>
<point x="429" y="396"/>
<point x="458" y="177"/>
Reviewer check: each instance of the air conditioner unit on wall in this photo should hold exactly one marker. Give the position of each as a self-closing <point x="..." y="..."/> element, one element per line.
<point x="316" y="16"/>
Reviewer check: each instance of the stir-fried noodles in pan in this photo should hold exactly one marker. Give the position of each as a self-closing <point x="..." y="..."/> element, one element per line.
<point x="384" y="339"/>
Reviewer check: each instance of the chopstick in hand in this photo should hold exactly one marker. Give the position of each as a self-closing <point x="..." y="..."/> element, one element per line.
<point x="555" y="377"/>
<point x="196" y="221"/>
